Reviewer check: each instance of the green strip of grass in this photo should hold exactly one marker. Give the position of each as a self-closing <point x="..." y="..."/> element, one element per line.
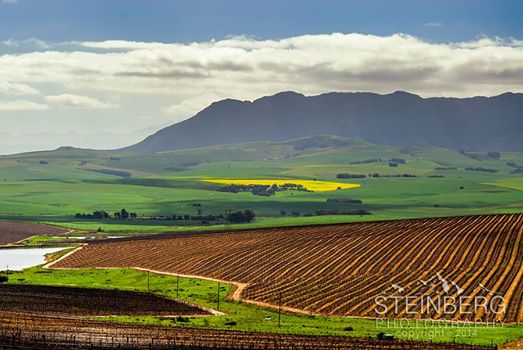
<point x="249" y="317"/>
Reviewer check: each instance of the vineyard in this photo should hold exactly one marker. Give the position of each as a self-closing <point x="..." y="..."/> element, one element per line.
<point x="70" y="301"/>
<point x="342" y="269"/>
<point x="12" y="232"/>
<point x="19" y="331"/>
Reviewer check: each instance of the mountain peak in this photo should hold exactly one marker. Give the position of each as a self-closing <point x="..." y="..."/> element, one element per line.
<point x="401" y="93"/>
<point x="281" y="96"/>
<point x="399" y="118"/>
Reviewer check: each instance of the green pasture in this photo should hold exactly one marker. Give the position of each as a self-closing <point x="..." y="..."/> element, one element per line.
<point x="53" y="186"/>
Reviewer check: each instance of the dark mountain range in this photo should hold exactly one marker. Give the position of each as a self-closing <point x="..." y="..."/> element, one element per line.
<point x="400" y="118"/>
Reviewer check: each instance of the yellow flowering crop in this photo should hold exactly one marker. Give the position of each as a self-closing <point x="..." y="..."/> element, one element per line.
<point x="312" y="185"/>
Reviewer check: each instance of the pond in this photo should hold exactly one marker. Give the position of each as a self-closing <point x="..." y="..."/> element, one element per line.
<point x="21" y="258"/>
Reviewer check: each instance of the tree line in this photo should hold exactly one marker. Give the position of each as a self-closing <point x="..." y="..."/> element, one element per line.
<point x="241" y="216"/>
<point x="102" y="215"/>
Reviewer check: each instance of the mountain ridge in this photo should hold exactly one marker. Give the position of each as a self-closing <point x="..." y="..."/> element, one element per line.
<point x="399" y="118"/>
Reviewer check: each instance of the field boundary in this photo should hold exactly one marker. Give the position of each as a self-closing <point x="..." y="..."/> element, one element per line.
<point x="236" y="295"/>
<point x="50" y="264"/>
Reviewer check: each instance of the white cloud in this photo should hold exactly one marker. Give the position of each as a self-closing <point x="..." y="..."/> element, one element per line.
<point x="172" y="81"/>
<point x="21" y="106"/>
<point x="246" y="68"/>
<point x="77" y="101"/>
<point x="432" y="24"/>
<point x="11" y="2"/>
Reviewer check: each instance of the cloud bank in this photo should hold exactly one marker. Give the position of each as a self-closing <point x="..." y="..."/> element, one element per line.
<point x="173" y="81"/>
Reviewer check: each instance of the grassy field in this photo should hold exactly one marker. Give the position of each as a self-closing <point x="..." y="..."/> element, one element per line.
<point x="53" y="186"/>
<point x="250" y="317"/>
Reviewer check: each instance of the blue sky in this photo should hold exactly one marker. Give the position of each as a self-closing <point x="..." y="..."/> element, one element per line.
<point x="196" y="20"/>
<point x="68" y="67"/>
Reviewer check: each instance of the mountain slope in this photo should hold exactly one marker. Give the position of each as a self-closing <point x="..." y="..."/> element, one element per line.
<point x="400" y="118"/>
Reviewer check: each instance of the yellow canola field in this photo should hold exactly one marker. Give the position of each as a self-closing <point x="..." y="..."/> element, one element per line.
<point x="317" y="186"/>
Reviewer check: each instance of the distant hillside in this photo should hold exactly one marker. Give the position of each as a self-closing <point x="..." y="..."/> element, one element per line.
<point x="400" y="118"/>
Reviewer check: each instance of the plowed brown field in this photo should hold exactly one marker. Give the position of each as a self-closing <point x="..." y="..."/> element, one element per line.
<point x="342" y="269"/>
<point x="72" y="301"/>
<point x="12" y="232"/>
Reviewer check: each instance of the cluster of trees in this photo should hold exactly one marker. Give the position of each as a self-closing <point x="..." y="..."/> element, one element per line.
<point x="358" y="176"/>
<point x="392" y="175"/>
<point x="366" y="161"/>
<point x="395" y="175"/>
<point x="446" y="168"/>
<point x="297" y="213"/>
<point x="344" y="200"/>
<point x="294" y="213"/>
<point x="480" y="155"/>
<point x="485" y="170"/>
<point x="241" y="216"/>
<point x="263" y="190"/>
<point x="103" y="215"/>
<point x="343" y="212"/>
<point x="395" y="161"/>
<point x="186" y="217"/>
<point x="350" y="176"/>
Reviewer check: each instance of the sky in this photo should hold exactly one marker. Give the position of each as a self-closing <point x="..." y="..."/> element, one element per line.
<point x="105" y="74"/>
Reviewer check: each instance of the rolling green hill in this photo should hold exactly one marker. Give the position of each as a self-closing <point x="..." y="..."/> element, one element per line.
<point x="409" y="182"/>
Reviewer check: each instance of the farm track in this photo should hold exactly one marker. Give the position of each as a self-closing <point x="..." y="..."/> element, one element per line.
<point x="339" y="270"/>
<point x="20" y="331"/>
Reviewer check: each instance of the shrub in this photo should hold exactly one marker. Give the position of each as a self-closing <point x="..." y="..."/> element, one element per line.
<point x="385" y="336"/>
<point x="4" y="279"/>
